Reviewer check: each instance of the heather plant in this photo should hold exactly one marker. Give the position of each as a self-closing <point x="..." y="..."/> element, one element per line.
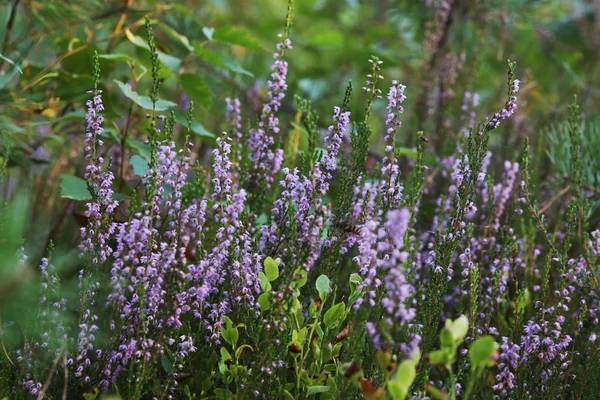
<point x="275" y="273"/>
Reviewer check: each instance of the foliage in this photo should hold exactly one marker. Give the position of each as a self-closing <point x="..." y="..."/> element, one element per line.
<point x="403" y="252"/>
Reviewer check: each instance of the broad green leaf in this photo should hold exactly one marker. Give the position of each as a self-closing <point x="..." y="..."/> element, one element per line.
<point x="238" y="36"/>
<point x="166" y="364"/>
<point x="446" y="337"/>
<point x="232" y="65"/>
<point x="460" y="327"/>
<point x="139" y="164"/>
<point x="197" y="127"/>
<point x="265" y="300"/>
<point x="139" y="147"/>
<point x="143" y="101"/>
<point x="73" y="187"/>
<point x="323" y="287"/>
<point x="437" y="357"/>
<point x="207" y="55"/>
<point x="482" y="351"/>
<point x="334" y="315"/>
<point x="176" y="35"/>
<point x="123" y="58"/>
<point x="397" y="391"/>
<point x="225" y="355"/>
<point x="172" y="63"/>
<point x="230" y="333"/>
<point x="219" y="60"/>
<point x="265" y="286"/>
<point x="316" y="389"/>
<point x="405" y="375"/>
<point x="198" y="90"/>
<point x="120" y="196"/>
<point x="271" y="269"/>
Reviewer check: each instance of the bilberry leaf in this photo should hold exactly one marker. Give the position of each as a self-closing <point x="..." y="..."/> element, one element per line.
<point x="73" y="187"/>
<point x="334" y="315"/>
<point x="323" y="287"/>
<point x="271" y="269"/>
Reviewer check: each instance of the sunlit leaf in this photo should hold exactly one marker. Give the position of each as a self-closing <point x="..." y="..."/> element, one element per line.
<point x="73" y="187"/>
<point x="143" y="101"/>
<point x="238" y="36"/>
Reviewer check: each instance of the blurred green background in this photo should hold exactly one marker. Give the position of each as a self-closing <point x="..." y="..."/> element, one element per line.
<point x="213" y="49"/>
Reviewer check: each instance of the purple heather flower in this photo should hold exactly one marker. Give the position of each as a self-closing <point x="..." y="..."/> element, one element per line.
<point x="266" y="162"/>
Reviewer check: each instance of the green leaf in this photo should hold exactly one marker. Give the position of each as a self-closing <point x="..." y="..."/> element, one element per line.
<point x="316" y="389"/>
<point x="198" y="90"/>
<point x="460" y="327"/>
<point x="482" y="351"/>
<point x="124" y="58"/>
<point x="139" y="164"/>
<point x="238" y="36"/>
<point x="73" y="187"/>
<point x="265" y="286"/>
<point x="219" y="60"/>
<point x="334" y="315"/>
<point x="288" y="395"/>
<point x="397" y="391"/>
<point x="323" y="287"/>
<point x="240" y="350"/>
<point x="176" y="35"/>
<point x="207" y="55"/>
<point x="166" y="364"/>
<point x="436" y="393"/>
<point x="120" y="196"/>
<point x="437" y="357"/>
<point x="225" y="355"/>
<point x="139" y="147"/>
<point x="272" y="269"/>
<point x="405" y="375"/>
<point x="407" y="152"/>
<point x="143" y="101"/>
<point x="231" y="64"/>
<point x="264" y="300"/>
<point x="229" y="333"/>
<point x="172" y="63"/>
<point x="197" y="127"/>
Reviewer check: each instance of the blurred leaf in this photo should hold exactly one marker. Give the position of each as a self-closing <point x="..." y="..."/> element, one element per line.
<point x="143" y="101"/>
<point x="139" y="147"/>
<point x="219" y="60"/>
<point x="140" y="165"/>
<point x="198" y="90"/>
<point x="232" y="65"/>
<point x="73" y="187"/>
<point x="334" y="316"/>
<point x="197" y="127"/>
<point x="316" y="389"/>
<point x="208" y="32"/>
<point x="172" y="63"/>
<point x="166" y="364"/>
<point x="481" y="352"/>
<point x="237" y="36"/>
<point x="271" y="269"/>
<point x="8" y="60"/>
<point x="124" y="58"/>
<point x="176" y="35"/>
<point x="323" y="287"/>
